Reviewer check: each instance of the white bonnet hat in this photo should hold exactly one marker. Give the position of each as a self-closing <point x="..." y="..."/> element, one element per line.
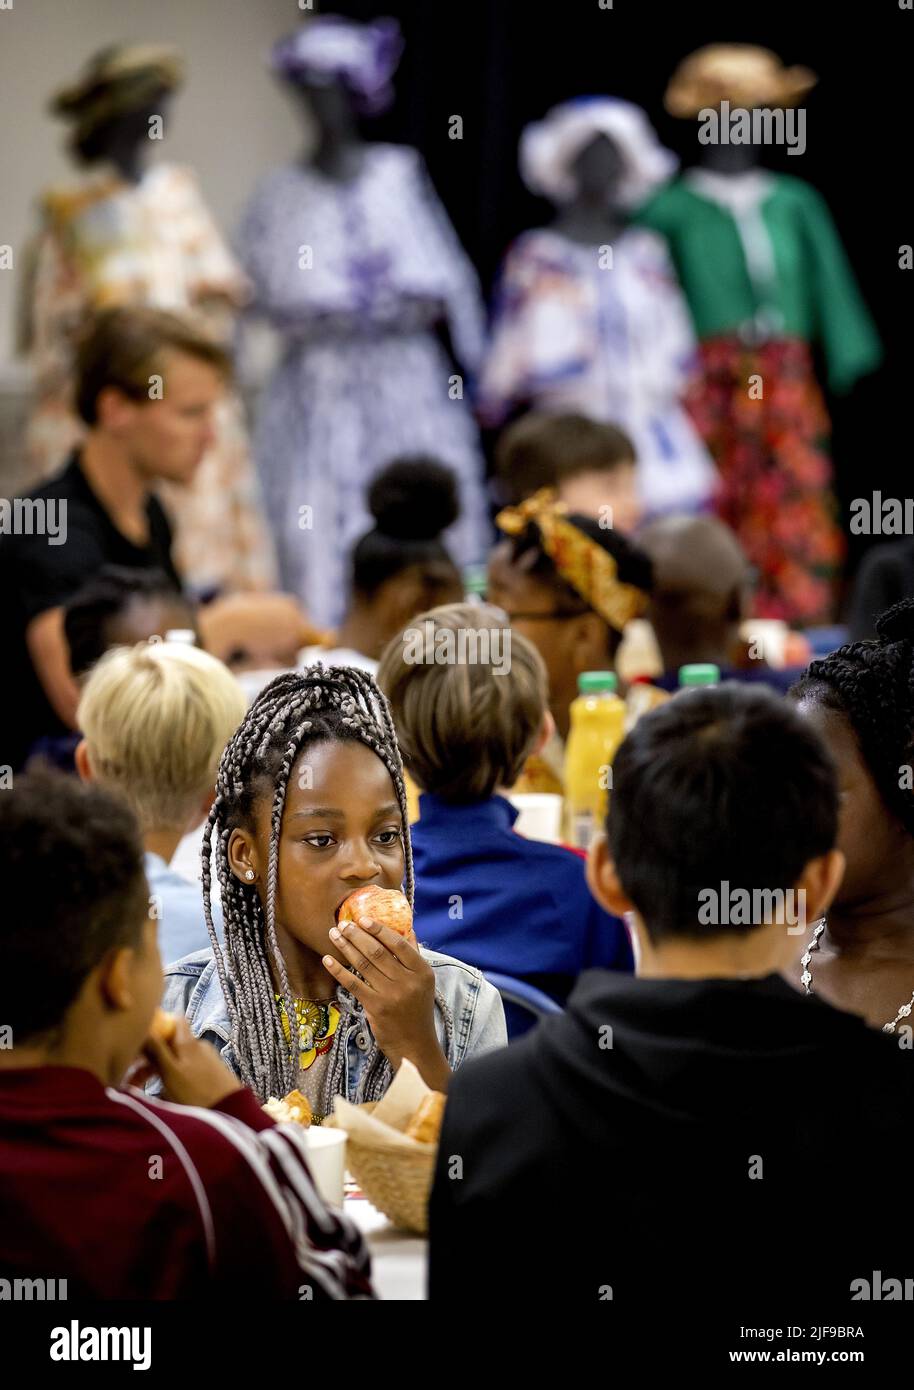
<point x="549" y="147"/>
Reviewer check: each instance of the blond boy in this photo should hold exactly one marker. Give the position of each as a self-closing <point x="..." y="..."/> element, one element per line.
<point x="155" y="719"/>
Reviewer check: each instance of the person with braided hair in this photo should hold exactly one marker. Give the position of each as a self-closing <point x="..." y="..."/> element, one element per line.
<point x="311" y="805"/>
<point x="861" y="700"/>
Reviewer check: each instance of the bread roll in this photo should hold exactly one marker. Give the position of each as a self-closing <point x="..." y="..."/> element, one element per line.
<point x="385" y="905"/>
<point x="292" y="1109"/>
<point x="163" y="1026"/>
<point x="426" y="1123"/>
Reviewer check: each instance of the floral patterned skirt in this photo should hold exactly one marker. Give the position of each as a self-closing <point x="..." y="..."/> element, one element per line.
<point x="762" y="415"/>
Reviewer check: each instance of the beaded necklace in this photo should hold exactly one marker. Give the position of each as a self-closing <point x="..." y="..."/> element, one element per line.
<point x="316" y="1022"/>
<point x="806" y="978"/>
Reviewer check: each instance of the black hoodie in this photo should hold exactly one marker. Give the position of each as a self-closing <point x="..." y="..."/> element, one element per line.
<point x="719" y="1144"/>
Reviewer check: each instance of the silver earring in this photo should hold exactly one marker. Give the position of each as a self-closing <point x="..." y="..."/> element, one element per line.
<point x="249" y="874"/>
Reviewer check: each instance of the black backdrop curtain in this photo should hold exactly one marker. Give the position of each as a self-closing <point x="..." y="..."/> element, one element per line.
<point x="500" y="63"/>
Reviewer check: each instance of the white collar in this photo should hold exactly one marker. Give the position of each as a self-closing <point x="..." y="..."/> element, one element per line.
<point x="739" y="193"/>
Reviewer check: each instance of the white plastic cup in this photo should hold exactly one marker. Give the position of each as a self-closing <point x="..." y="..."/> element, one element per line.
<point x="540" y="816"/>
<point x="327" y="1161"/>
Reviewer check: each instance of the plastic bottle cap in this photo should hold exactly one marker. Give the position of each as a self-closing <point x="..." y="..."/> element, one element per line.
<point x="701" y="673"/>
<point x="475" y="580"/>
<point x="596" y="682"/>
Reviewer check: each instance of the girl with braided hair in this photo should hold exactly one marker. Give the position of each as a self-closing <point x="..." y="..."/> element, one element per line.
<point x="311" y="805"/>
<point x="861" y="700"/>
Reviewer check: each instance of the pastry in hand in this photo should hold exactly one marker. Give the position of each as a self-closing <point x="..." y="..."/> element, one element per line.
<point x="426" y="1122"/>
<point x="292" y="1109"/>
<point x="163" y="1026"/>
<point x="388" y="906"/>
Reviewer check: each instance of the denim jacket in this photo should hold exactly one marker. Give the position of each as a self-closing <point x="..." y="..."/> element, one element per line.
<point x="192" y="988"/>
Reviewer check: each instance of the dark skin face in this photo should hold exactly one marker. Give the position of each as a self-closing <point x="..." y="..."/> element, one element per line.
<point x="865" y="963"/>
<point x="568" y="643"/>
<point x="341" y="830"/>
<point x="373" y="619"/>
<point x="414" y="590"/>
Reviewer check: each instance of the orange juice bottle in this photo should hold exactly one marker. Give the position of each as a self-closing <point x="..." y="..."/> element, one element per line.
<point x="597" y="729"/>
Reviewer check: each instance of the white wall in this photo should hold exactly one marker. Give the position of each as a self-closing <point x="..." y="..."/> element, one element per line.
<point x="231" y="121"/>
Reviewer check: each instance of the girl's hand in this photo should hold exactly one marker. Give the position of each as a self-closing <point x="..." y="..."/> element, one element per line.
<point x="397" y="992"/>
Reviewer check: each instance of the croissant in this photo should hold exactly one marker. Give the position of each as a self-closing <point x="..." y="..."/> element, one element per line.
<point x="426" y="1122"/>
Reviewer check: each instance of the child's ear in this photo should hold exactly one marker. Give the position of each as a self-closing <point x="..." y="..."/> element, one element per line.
<point x="116" y="978"/>
<point x="603" y="881"/>
<point x="81" y="758"/>
<point x="819" y="882"/>
<point x="242" y="857"/>
<point x="547" y="729"/>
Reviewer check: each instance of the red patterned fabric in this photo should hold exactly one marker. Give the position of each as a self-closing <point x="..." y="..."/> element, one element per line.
<point x="775" y="470"/>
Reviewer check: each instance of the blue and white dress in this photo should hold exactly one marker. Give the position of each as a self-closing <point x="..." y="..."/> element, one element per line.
<point x="608" y="335"/>
<point x="356" y="276"/>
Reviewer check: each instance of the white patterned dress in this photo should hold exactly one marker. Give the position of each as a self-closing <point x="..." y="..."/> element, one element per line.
<point x="609" y="337"/>
<point x="356" y="276"/>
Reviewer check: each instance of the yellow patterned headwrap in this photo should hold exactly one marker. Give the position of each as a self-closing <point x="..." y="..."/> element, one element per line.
<point x="589" y="569"/>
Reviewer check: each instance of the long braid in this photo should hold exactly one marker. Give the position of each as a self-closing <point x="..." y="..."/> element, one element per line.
<point x="872" y="683"/>
<point x="295" y="709"/>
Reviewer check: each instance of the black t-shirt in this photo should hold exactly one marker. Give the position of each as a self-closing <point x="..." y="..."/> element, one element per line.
<point x="39" y="572"/>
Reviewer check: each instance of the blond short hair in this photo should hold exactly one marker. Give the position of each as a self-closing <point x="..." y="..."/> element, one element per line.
<point x="465" y="726"/>
<point x="156" y="718"/>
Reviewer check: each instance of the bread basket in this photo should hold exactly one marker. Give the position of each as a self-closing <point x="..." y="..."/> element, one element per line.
<point x="396" y="1180"/>
<point x="395" y="1172"/>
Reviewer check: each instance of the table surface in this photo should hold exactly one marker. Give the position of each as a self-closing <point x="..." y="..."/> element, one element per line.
<point x="398" y="1259"/>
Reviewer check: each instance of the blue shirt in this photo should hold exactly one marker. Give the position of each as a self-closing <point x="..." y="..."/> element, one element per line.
<point x="502" y="902"/>
<point x="179" y="908"/>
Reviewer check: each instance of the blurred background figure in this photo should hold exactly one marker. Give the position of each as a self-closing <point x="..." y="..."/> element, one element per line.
<point x="116" y="607"/>
<point x="257" y="636"/>
<point x="119" y="607"/>
<point x="590" y="464"/>
<point x="356" y="265"/>
<point x="571" y="588"/>
<point x="129" y="234"/>
<point x="766" y="276"/>
<point x="400" y="567"/>
<point x="588" y="316"/>
<point x="701" y="599"/>
<point x="885" y="577"/>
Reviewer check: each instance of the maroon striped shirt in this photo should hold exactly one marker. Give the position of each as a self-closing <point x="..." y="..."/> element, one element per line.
<point x="124" y="1196"/>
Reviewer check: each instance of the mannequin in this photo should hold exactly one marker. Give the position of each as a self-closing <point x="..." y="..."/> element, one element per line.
<point x="355" y="263"/>
<point x="594" y="217"/>
<point x="587" y="314"/>
<point x="764" y="273"/>
<point x="131" y="233"/>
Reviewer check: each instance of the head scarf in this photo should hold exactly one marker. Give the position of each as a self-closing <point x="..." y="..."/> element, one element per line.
<point x="363" y="56"/>
<point x="548" y="148"/>
<point x="741" y="73"/>
<point x="583" y="564"/>
<point x="115" y="81"/>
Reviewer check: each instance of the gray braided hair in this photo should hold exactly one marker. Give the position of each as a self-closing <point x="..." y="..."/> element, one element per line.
<point x="296" y="709"/>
